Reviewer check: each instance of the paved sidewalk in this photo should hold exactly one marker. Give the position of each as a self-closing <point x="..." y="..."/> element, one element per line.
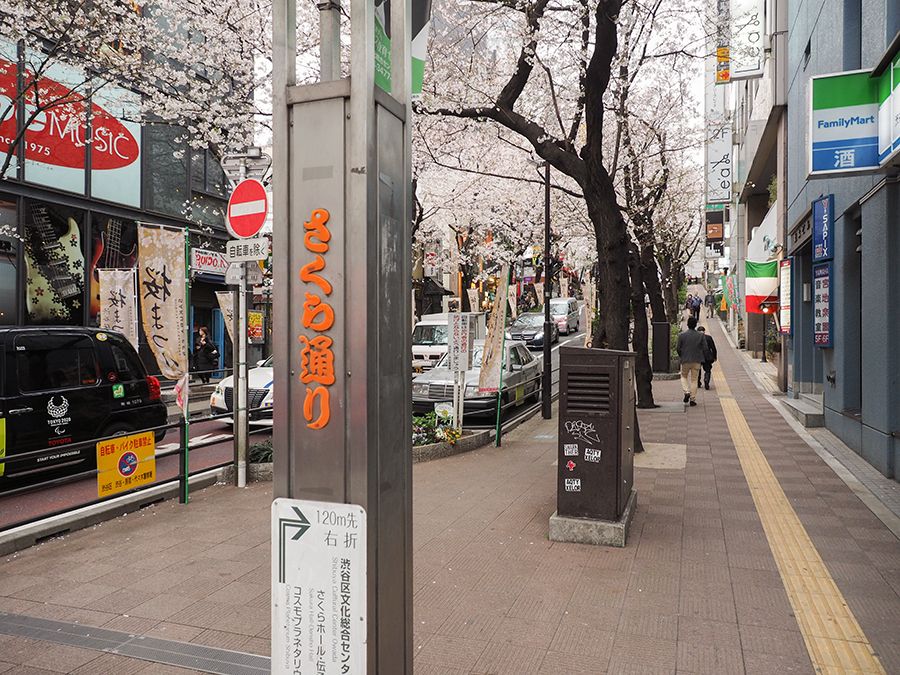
<point x="697" y="590"/>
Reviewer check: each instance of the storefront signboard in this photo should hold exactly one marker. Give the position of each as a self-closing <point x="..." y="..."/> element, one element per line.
<point x="747" y="24"/>
<point x="822" y="316"/>
<point x="718" y="161"/>
<point x="784" y="296"/>
<point x="256" y="322"/>
<point x="823" y="228"/>
<point x="208" y="262"/>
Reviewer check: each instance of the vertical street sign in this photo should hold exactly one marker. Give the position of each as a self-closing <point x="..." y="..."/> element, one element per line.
<point x="822" y="318"/>
<point x="823" y="226"/>
<point x="784" y="296"/>
<point x="319" y="602"/>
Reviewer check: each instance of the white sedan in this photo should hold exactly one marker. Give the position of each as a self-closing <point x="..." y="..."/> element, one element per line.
<point x="259" y="394"/>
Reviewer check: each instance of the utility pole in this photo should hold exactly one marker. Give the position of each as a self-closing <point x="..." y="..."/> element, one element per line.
<point x="546" y="403"/>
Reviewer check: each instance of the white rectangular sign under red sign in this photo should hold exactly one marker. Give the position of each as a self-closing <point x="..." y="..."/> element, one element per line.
<point x="318" y="588"/>
<point x="246" y="250"/>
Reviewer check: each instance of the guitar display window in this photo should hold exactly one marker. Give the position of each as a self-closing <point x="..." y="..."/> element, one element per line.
<point x="55" y="265"/>
<point x="55" y="362"/>
<point x="114" y="246"/>
<point x="9" y="264"/>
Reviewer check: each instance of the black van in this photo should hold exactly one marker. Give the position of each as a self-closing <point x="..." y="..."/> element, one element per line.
<point x="61" y="386"/>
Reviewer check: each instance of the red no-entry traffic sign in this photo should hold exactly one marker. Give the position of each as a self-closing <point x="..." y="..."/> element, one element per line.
<point x="247" y="209"/>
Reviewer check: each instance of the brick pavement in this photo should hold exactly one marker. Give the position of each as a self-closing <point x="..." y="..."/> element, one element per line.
<point x="696" y="590"/>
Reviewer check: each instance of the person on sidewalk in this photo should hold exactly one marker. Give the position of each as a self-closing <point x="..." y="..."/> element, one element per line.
<point x="710" y="356"/>
<point x="690" y="350"/>
<point x="710" y="302"/>
<point x="697" y="304"/>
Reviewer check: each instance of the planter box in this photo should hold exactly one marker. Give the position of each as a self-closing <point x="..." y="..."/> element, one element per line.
<point x="256" y="473"/>
<point x="424" y="453"/>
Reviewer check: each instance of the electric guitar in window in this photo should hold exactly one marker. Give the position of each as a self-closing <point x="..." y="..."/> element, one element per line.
<point x="55" y="270"/>
<point x="109" y="254"/>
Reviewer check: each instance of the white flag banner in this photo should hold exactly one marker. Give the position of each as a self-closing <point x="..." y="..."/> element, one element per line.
<point x="226" y="304"/>
<point x="163" y="312"/>
<point x="118" y="303"/>
<point x="539" y="293"/>
<point x="474" y="303"/>
<point x="513" y="299"/>
<point x="563" y="286"/>
<point x="491" y="361"/>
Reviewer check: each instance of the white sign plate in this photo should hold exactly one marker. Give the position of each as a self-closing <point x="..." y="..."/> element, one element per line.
<point x="233" y="274"/>
<point x="461" y="342"/>
<point x="211" y="262"/>
<point x="245" y="250"/>
<point x="253" y="275"/>
<point x="318" y="588"/>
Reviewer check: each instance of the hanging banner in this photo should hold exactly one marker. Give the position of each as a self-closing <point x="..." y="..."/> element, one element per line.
<point x="161" y="263"/>
<point x="118" y="303"/>
<point x="513" y="302"/>
<point x="563" y="286"/>
<point x="784" y="297"/>
<point x="718" y="160"/>
<point x="822" y="225"/>
<point x="539" y="293"/>
<point x="421" y="20"/>
<point x="491" y="361"/>
<point x="226" y="304"/>
<point x="474" y="302"/>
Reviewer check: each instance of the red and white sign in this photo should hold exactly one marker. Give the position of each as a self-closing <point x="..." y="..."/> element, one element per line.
<point x="247" y="209"/>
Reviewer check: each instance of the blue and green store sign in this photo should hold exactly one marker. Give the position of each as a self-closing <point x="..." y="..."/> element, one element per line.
<point x="855" y="119"/>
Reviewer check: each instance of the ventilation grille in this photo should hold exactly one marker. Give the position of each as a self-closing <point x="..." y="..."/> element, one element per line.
<point x="587" y="393"/>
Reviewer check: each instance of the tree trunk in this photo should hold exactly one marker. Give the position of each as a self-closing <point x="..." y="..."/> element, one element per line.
<point x="670" y="290"/>
<point x="650" y="276"/>
<point x="643" y="371"/>
<point x="612" y="254"/>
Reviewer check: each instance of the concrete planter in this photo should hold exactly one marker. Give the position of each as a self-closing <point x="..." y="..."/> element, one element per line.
<point x="424" y="453"/>
<point x="256" y="473"/>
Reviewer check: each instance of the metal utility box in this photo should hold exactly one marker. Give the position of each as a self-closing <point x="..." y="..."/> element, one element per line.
<point x="596" y="432"/>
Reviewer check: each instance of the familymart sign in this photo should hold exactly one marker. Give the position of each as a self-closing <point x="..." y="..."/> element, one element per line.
<point x="855" y="119"/>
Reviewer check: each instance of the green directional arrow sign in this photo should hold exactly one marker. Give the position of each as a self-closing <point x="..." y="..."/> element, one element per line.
<point x="302" y="525"/>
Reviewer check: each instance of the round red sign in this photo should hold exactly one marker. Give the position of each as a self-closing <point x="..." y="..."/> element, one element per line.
<point x="247" y="209"/>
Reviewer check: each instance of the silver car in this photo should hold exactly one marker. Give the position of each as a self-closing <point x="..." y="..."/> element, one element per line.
<point x="521" y="383"/>
<point x="564" y="313"/>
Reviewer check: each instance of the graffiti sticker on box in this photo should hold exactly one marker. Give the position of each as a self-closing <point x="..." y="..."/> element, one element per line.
<point x="573" y="485"/>
<point x="570" y="449"/>
<point x="591" y="454"/>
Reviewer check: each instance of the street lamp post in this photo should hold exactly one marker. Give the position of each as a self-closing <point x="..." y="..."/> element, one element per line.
<point x="545" y="378"/>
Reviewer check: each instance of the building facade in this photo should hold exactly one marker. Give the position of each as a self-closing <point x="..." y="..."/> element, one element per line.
<point x="70" y="207"/>
<point x="852" y="379"/>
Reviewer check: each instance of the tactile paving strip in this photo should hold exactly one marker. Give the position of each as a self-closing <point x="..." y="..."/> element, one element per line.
<point x="833" y="637"/>
<point x="170" y="652"/>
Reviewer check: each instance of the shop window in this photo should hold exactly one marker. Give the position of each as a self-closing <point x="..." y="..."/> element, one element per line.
<point x="114" y="246"/>
<point x="9" y="263"/>
<point x="208" y="210"/>
<point x="166" y="176"/>
<point x="51" y="362"/>
<point x="54" y="265"/>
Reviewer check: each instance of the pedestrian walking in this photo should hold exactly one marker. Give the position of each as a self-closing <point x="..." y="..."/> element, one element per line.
<point x="710" y="302"/>
<point x="690" y="350"/>
<point x="689" y="304"/>
<point x="710" y="356"/>
<point x="696" y="304"/>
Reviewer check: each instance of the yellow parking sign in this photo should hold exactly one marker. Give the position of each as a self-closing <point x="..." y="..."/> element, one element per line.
<point x="125" y="463"/>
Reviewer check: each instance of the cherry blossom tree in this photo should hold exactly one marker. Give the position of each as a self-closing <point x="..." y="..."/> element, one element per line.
<point x="194" y="64"/>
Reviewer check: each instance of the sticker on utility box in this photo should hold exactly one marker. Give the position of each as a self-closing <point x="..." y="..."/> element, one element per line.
<point x="570" y="449"/>
<point x="318" y="588"/>
<point x="573" y="485"/>
<point x="591" y="454"/>
<point x="125" y="462"/>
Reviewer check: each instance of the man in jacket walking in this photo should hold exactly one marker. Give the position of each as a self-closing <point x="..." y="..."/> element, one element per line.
<point x="710" y="302"/>
<point x="710" y="355"/>
<point x="690" y="350"/>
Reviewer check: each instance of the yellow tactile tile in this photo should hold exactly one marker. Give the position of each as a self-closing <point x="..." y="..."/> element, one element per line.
<point x="833" y="637"/>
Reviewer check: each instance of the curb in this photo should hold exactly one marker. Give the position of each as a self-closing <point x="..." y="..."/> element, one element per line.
<point x="26" y="536"/>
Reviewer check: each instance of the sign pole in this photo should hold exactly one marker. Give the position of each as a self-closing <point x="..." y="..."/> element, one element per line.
<point x="240" y="381"/>
<point x="186" y="410"/>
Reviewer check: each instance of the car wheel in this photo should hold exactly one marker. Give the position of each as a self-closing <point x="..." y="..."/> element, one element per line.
<point x="116" y="430"/>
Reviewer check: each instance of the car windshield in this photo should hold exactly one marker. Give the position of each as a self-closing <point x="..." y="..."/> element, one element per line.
<point x="435" y="334"/>
<point x="476" y="359"/>
<point x="268" y="363"/>
<point x="529" y="321"/>
<point x="559" y="307"/>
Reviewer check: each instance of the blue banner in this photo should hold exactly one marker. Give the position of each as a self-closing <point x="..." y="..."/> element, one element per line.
<point x="823" y="228"/>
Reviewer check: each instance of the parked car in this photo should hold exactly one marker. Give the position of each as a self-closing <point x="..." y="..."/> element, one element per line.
<point x="565" y="314"/>
<point x="63" y="386"/>
<point x="521" y="383"/>
<point x="529" y="328"/>
<point x="259" y="394"/>
<point x="430" y="335"/>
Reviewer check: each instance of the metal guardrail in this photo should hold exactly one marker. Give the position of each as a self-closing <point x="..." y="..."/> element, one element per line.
<point x="182" y="477"/>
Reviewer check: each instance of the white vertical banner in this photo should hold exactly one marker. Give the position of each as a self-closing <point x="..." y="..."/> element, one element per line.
<point x="513" y="302"/>
<point x="539" y="292"/>
<point x="226" y="304"/>
<point x="491" y="361"/>
<point x="118" y="303"/>
<point x="718" y="166"/>
<point x="161" y="263"/>
<point x="747" y="32"/>
<point x="474" y="302"/>
<point x="563" y="286"/>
